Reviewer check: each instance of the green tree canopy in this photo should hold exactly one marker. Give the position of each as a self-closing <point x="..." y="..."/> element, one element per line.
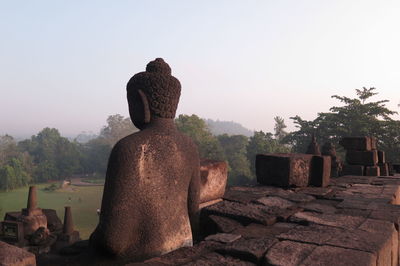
<point x="355" y="117"/>
<point x="196" y="128"/>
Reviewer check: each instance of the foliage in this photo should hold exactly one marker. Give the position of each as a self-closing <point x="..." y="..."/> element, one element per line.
<point x="356" y="117"/>
<point x="235" y="151"/>
<point x="196" y="128"/>
<point x="117" y="128"/>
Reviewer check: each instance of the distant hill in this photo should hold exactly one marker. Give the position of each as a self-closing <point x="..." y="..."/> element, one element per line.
<point x="227" y="127"/>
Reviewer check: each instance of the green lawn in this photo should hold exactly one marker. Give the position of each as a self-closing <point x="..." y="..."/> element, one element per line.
<point x="84" y="203"/>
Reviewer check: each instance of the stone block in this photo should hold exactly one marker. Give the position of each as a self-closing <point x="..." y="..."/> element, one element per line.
<point x="12" y="231"/>
<point x="288" y="253"/>
<point x="14" y="256"/>
<point x="373" y="143"/>
<point x="362" y="157"/>
<point x="336" y="220"/>
<point x="214" y="175"/>
<point x="356" y="143"/>
<point x="320" y="171"/>
<point x="223" y="224"/>
<point x="357" y="170"/>
<point x="312" y="234"/>
<point x="256" y="230"/>
<point x="381" y="157"/>
<point x="218" y="259"/>
<point x="384" y="169"/>
<point x="223" y="237"/>
<point x="243" y="213"/>
<point x="326" y="255"/>
<point x="369" y="241"/>
<point x="372" y="171"/>
<point x="283" y="170"/>
<point x="275" y="202"/>
<point x="251" y="250"/>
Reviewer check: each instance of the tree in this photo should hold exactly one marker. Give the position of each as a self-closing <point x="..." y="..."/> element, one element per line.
<point x="279" y="128"/>
<point x="54" y="156"/>
<point x="117" y="128"/>
<point x="356" y="117"/>
<point x="235" y="151"/>
<point x="196" y="128"/>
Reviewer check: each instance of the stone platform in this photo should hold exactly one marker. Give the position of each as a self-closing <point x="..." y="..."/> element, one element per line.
<point x="353" y="221"/>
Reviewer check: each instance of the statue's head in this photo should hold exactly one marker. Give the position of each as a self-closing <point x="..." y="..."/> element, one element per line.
<point x="153" y="93"/>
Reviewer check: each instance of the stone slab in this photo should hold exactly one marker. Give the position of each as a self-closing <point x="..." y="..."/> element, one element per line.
<point x="288" y="253"/>
<point x="213" y="178"/>
<point x="326" y="255"/>
<point x="369" y="158"/>
<point x="252" y="250"/>
<point x="381" y="157"/>
<point x="243" y="213"/>
<point x="283" y="170"/>
<point x="357" y="170"/>
<point x="356" y="143"/>
<point x="313" y="234"/>
<point x="14" y="256"/>
<point x="372" y="171"/>
<point x="320" y="171"/>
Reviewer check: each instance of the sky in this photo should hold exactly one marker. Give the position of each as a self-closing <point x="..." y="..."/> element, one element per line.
<point x="65" y="64"/>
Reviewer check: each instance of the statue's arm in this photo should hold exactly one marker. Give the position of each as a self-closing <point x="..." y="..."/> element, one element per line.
<point x="112" y="235"/>
<point x="193" y="201"/>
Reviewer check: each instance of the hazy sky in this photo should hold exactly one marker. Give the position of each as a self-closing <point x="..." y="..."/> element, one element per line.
<point x="65" y="64"/>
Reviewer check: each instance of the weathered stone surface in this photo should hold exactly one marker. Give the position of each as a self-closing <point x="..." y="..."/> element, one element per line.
<point x="373" y="143"/>
<point x="288" y="253"/>
<point x="384" y="169"/>
<point x="316" y="191"/>
<point x="298" y="197"/>
<point x="357" y="170"/>
<point x="185" y="254"/>
<point x="381" y="157"/>
<point x="313" y="234"/>
<point x="223" y="238"/>
<point x="241" y="196"/>
<point x="223" y="224"/>
<point x="356" y="143"/>
<point x="326" y="255"/>
<point x="371" y="242"/>
<point x="258" y="230"/>
<point x="214" y="258"/>
<point x="283" y="170"/>
<point x="244" y="213"/>
<point x="362" y="157"/>
<point x="320" y="171"/>
<point x="248" y="249"/>
<point x="159" y="166"/>
<point x="388" y="230"/>
<point x="372" y="171"/>
<point x="318" y="207"/>
<point x="336" y="220"/>
<point x="276" y="202"/>
<point x="213" y="178"/>
<point x="54" y="223"/>
<point x="14" y="256"/>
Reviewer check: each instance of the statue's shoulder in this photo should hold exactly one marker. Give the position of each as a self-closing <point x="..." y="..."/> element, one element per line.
<point x="129" y="143"/>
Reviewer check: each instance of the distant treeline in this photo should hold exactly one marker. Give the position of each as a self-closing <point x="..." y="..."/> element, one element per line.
<point x="49" y="156"/>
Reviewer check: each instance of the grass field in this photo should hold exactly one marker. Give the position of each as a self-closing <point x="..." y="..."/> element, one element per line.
<point x="84" y="201"/>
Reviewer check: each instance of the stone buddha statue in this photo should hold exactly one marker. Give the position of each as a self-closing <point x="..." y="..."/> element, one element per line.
<point x="151" y="193"/>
